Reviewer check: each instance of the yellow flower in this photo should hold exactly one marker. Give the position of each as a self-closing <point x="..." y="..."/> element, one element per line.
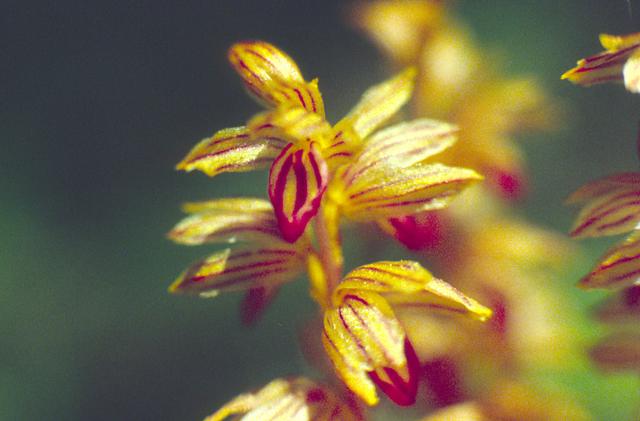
<point x="611" y="207"/>
<point x="294" y="399"/>
<point x="458" y="83"/>
<point x="367" y="343"/>
<point x="620" y="62"/>
<point x="306" y="152"/>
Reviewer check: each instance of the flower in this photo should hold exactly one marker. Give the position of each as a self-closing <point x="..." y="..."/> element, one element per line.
<point x="611" y="207"/>
<point x="363" y="337"/>
<point x="458" y="83"/>
<point x="305" y="152"/>
<point x="620" y="62"/>
<point x="297" y="399"/>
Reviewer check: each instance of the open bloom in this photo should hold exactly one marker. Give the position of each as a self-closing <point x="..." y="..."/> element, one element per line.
<point x="363" y="337"/>
<point x="294" y="399"/>
<point x="305" y="152"/>
<point x="611" y="206"/>
<point x="620" y="62"/>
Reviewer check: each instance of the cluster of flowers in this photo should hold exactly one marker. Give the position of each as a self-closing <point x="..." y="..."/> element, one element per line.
<point x="388" y="324"/>
<point x="611" y="206"/>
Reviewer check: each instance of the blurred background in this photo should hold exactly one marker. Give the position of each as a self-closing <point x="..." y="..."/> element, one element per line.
<point x="101" y="99"/>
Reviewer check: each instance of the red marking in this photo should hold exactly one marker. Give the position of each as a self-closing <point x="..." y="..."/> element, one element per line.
<point x="595" y="218"/>
<point x="401" y="391"/>
<point x="632" y="296"/>
<point x="254" y="304"/>
<point x="419" y="231"/>
<point x="316" y="395"/>
<point x="443" y="380"/>
<point x="510" y="184"/>
<point x="300" y="98"/>
<point x="300" y="172"/>
<point x="313" y="101"/>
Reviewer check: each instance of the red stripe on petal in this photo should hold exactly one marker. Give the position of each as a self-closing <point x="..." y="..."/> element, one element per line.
<point x="401" y="391"/>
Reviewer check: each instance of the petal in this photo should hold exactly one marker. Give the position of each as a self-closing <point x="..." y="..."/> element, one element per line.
<point x="362" y="335"/>
<point x="619" y="268"/>
<point x="386" y="191"/>
<point x="617" y="42"/>
<point x="603" y="67"/>
<point x="297" y="181"/>
<point x="599" y="188"/>
<point x="424" y="230"/>
<point x="408" y="143"/>
<point x="227" y="220"/>
<point x="294" y="124"/>
<point x="231" y="150"/>
<point x="618" y="352"/>
<point x="296" y="399"/>
<point x="612" y="212"/>
<point x="379" y="103"/>
<point x="272" y="77"/>
<point x="408" y="283"/>
<point x="400" y="385"/>
<point x="624" y="306"/>
<point x="255" y="302"/>
<point x="241" y="269"/>
<point x="631" y="73"/>
<point x="399" y="28"/>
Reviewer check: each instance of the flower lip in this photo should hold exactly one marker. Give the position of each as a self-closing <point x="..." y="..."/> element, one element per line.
<point x="400" y="390"/>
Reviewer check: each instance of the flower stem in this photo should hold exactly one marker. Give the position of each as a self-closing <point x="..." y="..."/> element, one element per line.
<point x="329" y="244"/>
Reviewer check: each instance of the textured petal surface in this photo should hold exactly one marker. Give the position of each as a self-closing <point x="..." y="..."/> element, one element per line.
<point x="236" y="149"/>
<point x="384" y="190"/>
<point x="612" y="206"/>
<point x="227" y="220"/>
<point x="297" y="181"/>
<point x="272" y="77"/>
<point x="606" y="66"/>
<point x="241" y="269"/>
<point x="295" y="399"/>
<point x="361" y="335"/>
<point x="408" y="283"/>
<point x="379" y="103"/>
<point x="619" y="268"/>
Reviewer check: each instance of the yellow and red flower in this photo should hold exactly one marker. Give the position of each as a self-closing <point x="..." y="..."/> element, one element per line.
<point x="620" y="62"/>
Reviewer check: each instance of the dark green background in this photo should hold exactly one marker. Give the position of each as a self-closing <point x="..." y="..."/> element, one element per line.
<point x="99" y="100"/>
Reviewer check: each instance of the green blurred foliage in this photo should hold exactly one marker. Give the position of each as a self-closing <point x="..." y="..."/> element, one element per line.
<point x="101" y="99"/>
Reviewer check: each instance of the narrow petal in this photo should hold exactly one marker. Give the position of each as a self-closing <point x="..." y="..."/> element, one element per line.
<point x="272" y="77"/>
<point x="231" y="150"/>
<point x="619" y="268"/>
<point x="408" y="283"/>
<point x="379" y="103"/>
<point x="599" y="188"/>
<point x="603" y="67"/>
<point x="618" y="42"/>
<point x="241" y="269"/>
<point x="227" y="220"/>
<point x="294" y="399"/>
<point x="614" y="212"/>
<point x="386" y="191"/>
<point x="405" y="144"/>
<point x="362" y="335"/>
<point x="618" y="352"/>
<point x="297" y="181"/>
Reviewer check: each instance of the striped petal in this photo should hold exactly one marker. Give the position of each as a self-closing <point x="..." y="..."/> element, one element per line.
<point x="387" y="190"/>
<point x="272" y="77"/>
<point x="366" y="344"/>
<point x="616" y="182"/>
<point x="613" y="206"/>
<point x="241" y="269"/>
<point x="408" y="143"/>
<point x="379" y="103"/>
<point x="294" y="124"/>
<point x="227" y="220"/>
<point x="294" y="399"/>
<point x="297" y="181"/>
<point x="408" y="283"/>
<point x="619" y="268"/>
<point x="606" y="66"/>
<point x="236" y="149"/>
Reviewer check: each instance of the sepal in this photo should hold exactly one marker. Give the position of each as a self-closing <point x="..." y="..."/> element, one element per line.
<point x="619" y="268"/>
<point x="297" y="181"/>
